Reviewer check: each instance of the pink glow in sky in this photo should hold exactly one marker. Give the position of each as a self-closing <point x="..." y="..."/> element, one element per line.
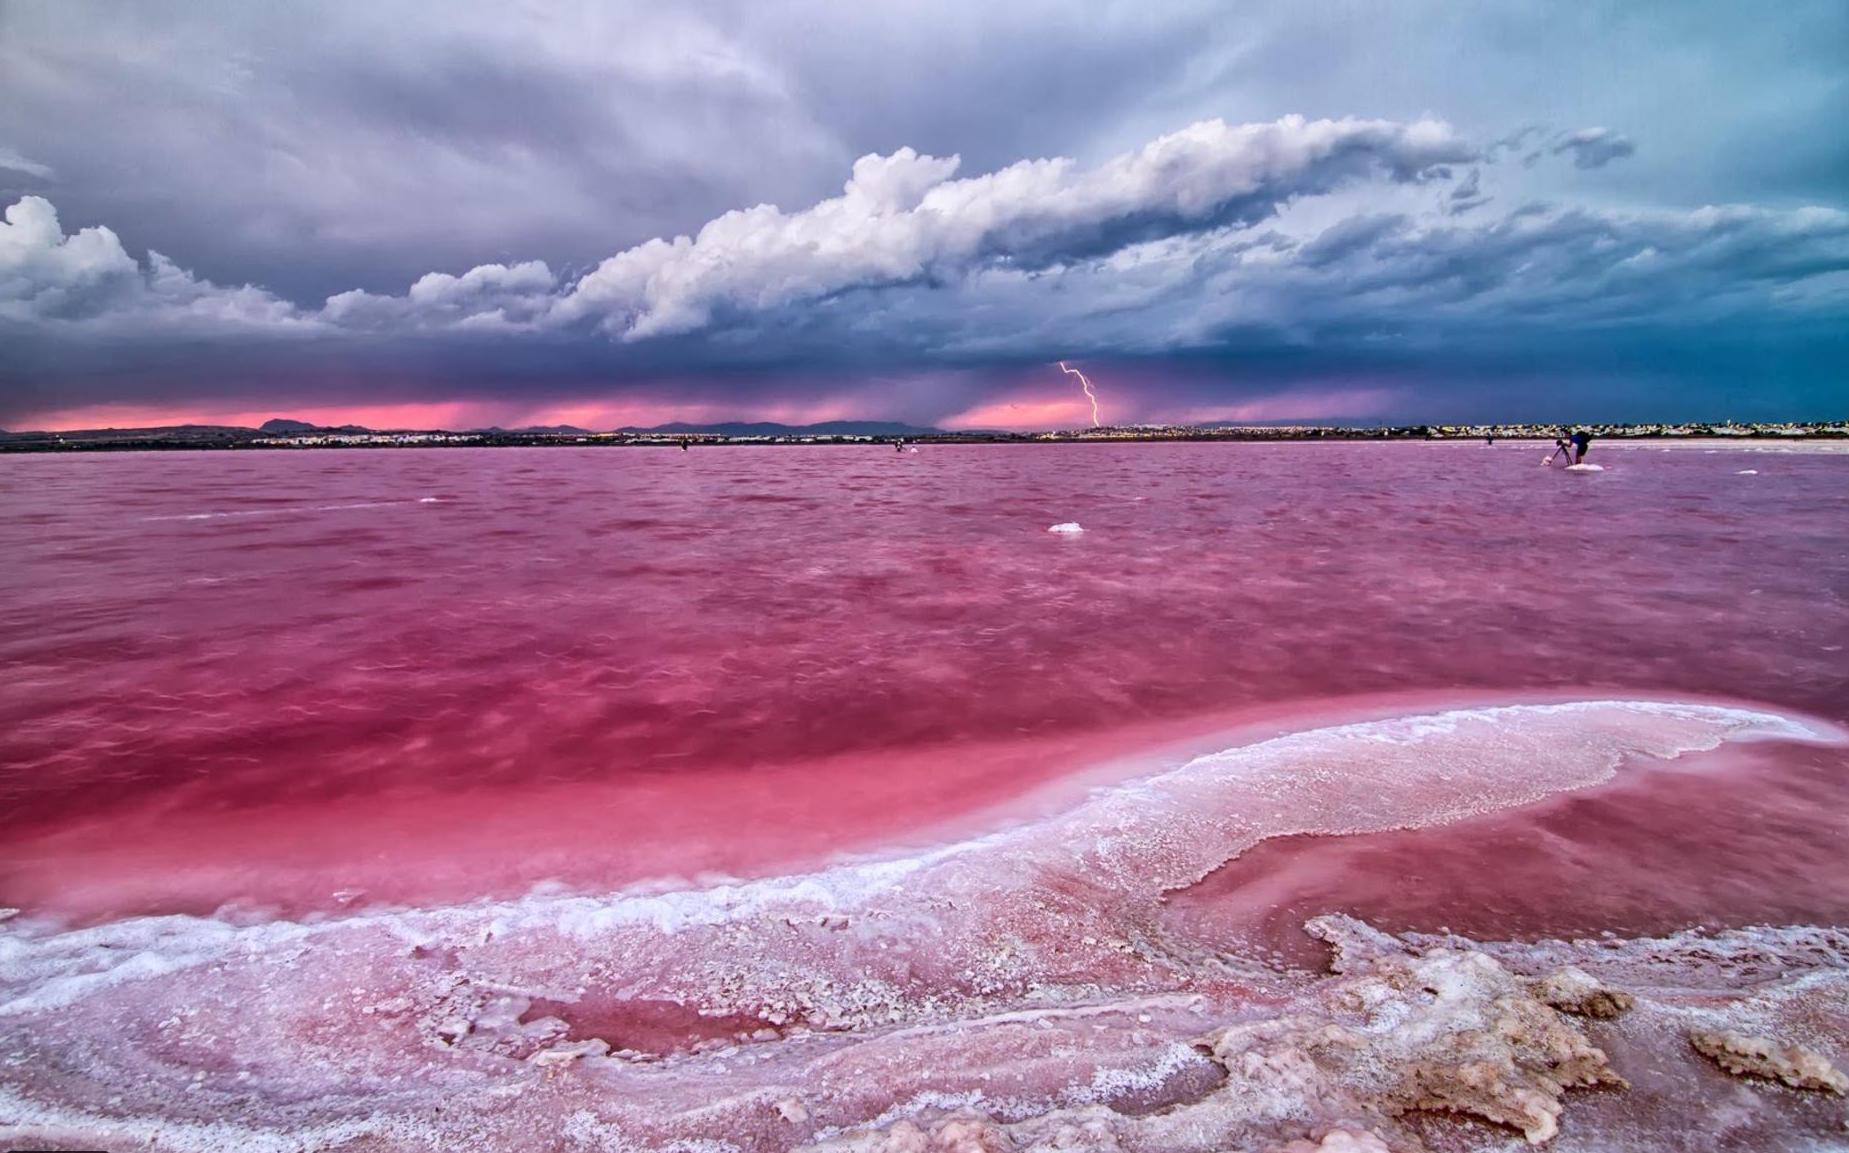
<point x="451" y="414"/>
<point x="1056" y="403"/>
<point x="590" y="414"/>
<point x="1023" y="413"/>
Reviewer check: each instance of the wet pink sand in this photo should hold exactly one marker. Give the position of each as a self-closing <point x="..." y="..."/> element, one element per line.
<point x="303" y="680"/>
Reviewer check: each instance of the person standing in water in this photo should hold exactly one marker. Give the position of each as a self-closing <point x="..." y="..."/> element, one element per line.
<point x="1572" y="445"/>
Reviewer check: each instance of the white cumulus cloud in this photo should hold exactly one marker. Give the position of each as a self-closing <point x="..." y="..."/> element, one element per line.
<point x="487" y="297"/>
<point x="88" y="279"/>
<point x="904" y="218"/>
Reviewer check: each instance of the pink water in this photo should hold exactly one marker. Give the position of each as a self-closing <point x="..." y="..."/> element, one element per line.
<point x="331" y="682"/>
<point x="208" y="654"/>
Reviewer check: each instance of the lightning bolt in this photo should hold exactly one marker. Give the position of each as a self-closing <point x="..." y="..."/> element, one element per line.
<point x="1086" y="385"/>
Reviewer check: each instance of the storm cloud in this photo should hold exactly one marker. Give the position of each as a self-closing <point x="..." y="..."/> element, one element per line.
<point x="901" y="220"/>
<point x="728" y="210"/>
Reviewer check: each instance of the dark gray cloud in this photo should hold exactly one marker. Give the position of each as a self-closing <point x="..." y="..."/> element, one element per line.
<point x="758" y="302"/>
<point x="318" y="148"/>
<point x="1595" y="147"/>
<point x="900" y="219"/>
<point x="1468" y="194"/>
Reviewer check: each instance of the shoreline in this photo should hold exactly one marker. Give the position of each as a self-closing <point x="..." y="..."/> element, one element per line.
<point x="1011" y="988"/>
<point x="214" y="439"/>
<point x="351" y="856"/>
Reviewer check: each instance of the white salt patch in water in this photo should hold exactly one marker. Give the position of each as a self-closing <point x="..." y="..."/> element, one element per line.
<point x="256" y="512"/>
<point x="1067" y="527"/>
<point x="1585" y="468"/>
<point x="1747" y="472"/>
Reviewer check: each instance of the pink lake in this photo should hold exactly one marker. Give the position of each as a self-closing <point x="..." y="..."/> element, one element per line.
<point x="267" y="689"/>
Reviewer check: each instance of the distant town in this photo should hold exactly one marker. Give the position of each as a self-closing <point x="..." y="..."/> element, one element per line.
<point x="280" y="434"/>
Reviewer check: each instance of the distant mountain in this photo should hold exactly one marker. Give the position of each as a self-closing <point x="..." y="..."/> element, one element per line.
<point x="281" y="427"/>
<point x="770" y="428"/>
<point x="539" y="430"/>
<point x="163" y="432"/>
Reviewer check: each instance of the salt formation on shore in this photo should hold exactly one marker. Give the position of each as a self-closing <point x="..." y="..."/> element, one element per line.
<point x="1442" y="1030"/>
<point x="1017" y="990"/>
<point x="1298" y="1064"/>
<point x="1407" y="1026"/>
<point x="1394" y="1031"/>
<point x="1573" y="990"/>
<point x="1796" y="1065"/>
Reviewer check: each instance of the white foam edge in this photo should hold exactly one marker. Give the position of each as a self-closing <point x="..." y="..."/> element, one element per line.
<point x="38" y="954"/>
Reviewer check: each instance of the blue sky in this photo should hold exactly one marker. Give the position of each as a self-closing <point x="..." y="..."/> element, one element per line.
<point x="609" y="213"/>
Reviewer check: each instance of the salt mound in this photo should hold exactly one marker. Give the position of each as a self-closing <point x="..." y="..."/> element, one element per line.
<point x="1573" y="990"/>
<point x="1068" y="527"/>
<point x="1394" y="1032"/>
<point x="1483" y="1044"/>
<point x="1585" y="468"/>
<point x="1795" y="1065"/>
<point x="1747" y="472"/>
